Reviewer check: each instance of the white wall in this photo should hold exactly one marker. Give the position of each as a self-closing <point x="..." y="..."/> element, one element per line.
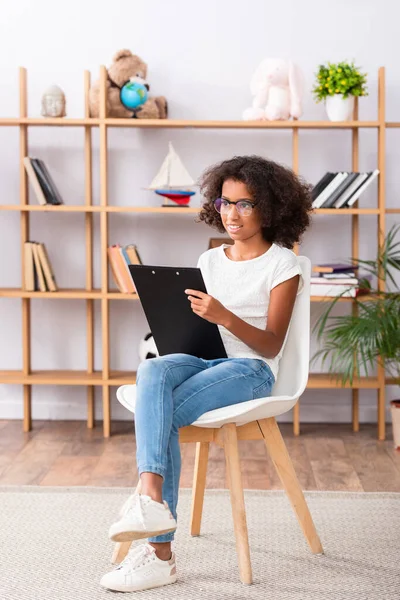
<point x="201" y="57"/>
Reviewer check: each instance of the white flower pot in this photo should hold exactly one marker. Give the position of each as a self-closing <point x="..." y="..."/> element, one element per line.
<point x="339" y="108"/>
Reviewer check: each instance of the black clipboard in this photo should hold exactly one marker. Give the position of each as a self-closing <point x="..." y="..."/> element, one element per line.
<point x="175" y="327"/>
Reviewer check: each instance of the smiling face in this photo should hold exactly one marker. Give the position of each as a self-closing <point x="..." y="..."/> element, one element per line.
<point x="238" y="227"/>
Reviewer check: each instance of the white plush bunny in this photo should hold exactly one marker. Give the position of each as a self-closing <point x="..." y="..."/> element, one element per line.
<point x="277" y="89"/>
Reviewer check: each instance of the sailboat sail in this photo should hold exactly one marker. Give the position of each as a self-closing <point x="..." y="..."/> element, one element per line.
<point x="172" y="173"/>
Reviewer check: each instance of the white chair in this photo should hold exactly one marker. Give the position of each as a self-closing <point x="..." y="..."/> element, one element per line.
<point x="251" y="420"/>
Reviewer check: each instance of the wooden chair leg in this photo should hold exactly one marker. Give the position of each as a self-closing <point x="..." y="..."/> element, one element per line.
<point x="296" y="418"/>
<point x="121" y="549"/>
<point x="283" y="464"/>
<point x="199" y="485"/>
<point x="237" y="501"/>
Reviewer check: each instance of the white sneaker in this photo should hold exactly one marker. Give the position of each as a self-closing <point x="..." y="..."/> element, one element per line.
<point x="140" y="570"/>
<point x="142" y="517"/>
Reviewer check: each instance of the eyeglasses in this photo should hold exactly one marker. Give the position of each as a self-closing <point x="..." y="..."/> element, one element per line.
<point x="244" y="207"/>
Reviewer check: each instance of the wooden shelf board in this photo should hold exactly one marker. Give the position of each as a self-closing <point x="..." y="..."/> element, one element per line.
<point x="73" y="294"/>
<point x="393" y="211"/>
<point x="56" y="377"/>
<point x="51" y="208"/>
<point x="185" y="123"/>
<point x="46" y="122"/>
<point x="325" y="380"/>
<point x="122" y="377"/>
<point x="65" y="377"/>
<point x="182" y="210"/>
<point x="173" y="210"/>
<point x="116" y="295"/>
<point x="347" y="211"/>
<point x="98" y="209"/>
<point x="362" y="298"/>
<point x="77" y="293"/>
<point x="218" y="124"/>
<point x="60" y="294"/>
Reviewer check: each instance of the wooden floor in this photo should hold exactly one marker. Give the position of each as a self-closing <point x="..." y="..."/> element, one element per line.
<point x="326" y="457"/>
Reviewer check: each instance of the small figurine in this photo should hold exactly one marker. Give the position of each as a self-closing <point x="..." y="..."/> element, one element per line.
<point x="53" y="102"/>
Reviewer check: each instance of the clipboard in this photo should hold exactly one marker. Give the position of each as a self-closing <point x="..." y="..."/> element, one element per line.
<point x="175" y="327"/>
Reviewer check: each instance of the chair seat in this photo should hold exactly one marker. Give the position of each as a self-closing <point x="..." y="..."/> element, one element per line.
<point x="239" y="414"/>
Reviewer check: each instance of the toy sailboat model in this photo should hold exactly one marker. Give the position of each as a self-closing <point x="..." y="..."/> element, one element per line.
<point x="173" y="181"/>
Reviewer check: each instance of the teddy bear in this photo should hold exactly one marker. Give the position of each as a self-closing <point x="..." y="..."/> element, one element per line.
<point x="277" y="89"/>
<point x="126" y="66"/>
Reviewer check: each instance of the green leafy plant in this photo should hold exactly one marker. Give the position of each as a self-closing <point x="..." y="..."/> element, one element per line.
<point x="340" y="78"/>
<point x="373" y="331"/>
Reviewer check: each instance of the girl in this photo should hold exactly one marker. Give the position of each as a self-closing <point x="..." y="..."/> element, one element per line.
<point x="265" y="209"/>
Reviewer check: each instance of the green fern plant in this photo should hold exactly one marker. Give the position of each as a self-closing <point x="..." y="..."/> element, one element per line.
<point x="350" y="342"/>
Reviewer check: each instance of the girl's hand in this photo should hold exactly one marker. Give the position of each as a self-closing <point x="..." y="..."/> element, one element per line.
<point x="208" y="307"/>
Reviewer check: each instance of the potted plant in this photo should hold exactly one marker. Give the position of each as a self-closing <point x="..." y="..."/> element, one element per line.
<point x="373" y="331"/>
<point x="337" y="84"/>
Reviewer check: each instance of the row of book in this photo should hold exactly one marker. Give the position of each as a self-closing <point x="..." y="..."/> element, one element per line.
<point x="120" y="257"/>
<point x="38" y="273"/>
<point x="338" y="280"/>
<point x="42" y="183"/>
<point x="341" y="190"/>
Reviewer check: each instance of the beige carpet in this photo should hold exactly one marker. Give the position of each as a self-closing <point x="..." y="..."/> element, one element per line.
<point x="54" y="546"/>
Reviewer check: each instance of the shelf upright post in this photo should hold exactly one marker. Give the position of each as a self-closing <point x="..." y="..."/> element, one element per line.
<point x="103" y="249"/>
<point x="295" y="167"/>
<point x="89" y="255"/>
<point x="24" y="219"/>
<point x="355" y="244"/>
<point x="381" y="234"/>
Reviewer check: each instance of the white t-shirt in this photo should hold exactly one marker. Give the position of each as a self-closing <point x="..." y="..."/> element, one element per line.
<point x="244" y="288"/>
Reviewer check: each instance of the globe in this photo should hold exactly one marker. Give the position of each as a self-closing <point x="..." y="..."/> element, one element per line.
<point x="133" y="95"/>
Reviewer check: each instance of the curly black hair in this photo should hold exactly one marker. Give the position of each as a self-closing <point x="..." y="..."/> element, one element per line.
<point x="284" y="199"/>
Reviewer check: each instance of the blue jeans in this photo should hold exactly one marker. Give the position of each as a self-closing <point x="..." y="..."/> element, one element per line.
<point x="174" y="391"/>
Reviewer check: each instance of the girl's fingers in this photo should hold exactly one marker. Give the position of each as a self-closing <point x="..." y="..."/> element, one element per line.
<point x="194" y="300"/>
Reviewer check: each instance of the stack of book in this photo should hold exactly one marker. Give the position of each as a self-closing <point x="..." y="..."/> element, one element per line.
<point x="120" y="257"/>
<point x="38" y="274"/>
<point x="44" y="187"/>
<point x="337" y="280"/>
<point x="341" y="190"/>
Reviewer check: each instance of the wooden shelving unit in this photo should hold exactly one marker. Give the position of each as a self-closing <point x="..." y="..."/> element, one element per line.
<point x="107" y="377"/>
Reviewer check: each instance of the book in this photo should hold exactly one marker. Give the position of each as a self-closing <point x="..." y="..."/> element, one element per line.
<point x="38" y="267"/>
<point x="132" y="253"/>
<point x="46" y="268"/>
<point x="335" y="275"/>
<point x="115" y="270"/>
<point x="334" y="268"/>
<point x="49" y="179"/>
<point x="336" y="281"/>
<point x="46" y="183"/>
<point x="341" y="279"/>
<point x="341" y="201"/>
<point x="328" y="190"/>
<point x="34" y="181"/>
<point x="321" y="184"/>
<point x="333" y="290"/>
<point x="348" y="180"/>
<point x="126" y="274"/>
<point x="29" y="268"/>
<point x="363" y="187"/>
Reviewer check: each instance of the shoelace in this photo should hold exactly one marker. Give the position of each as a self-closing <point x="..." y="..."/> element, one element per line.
<point x="136" y="557"/>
